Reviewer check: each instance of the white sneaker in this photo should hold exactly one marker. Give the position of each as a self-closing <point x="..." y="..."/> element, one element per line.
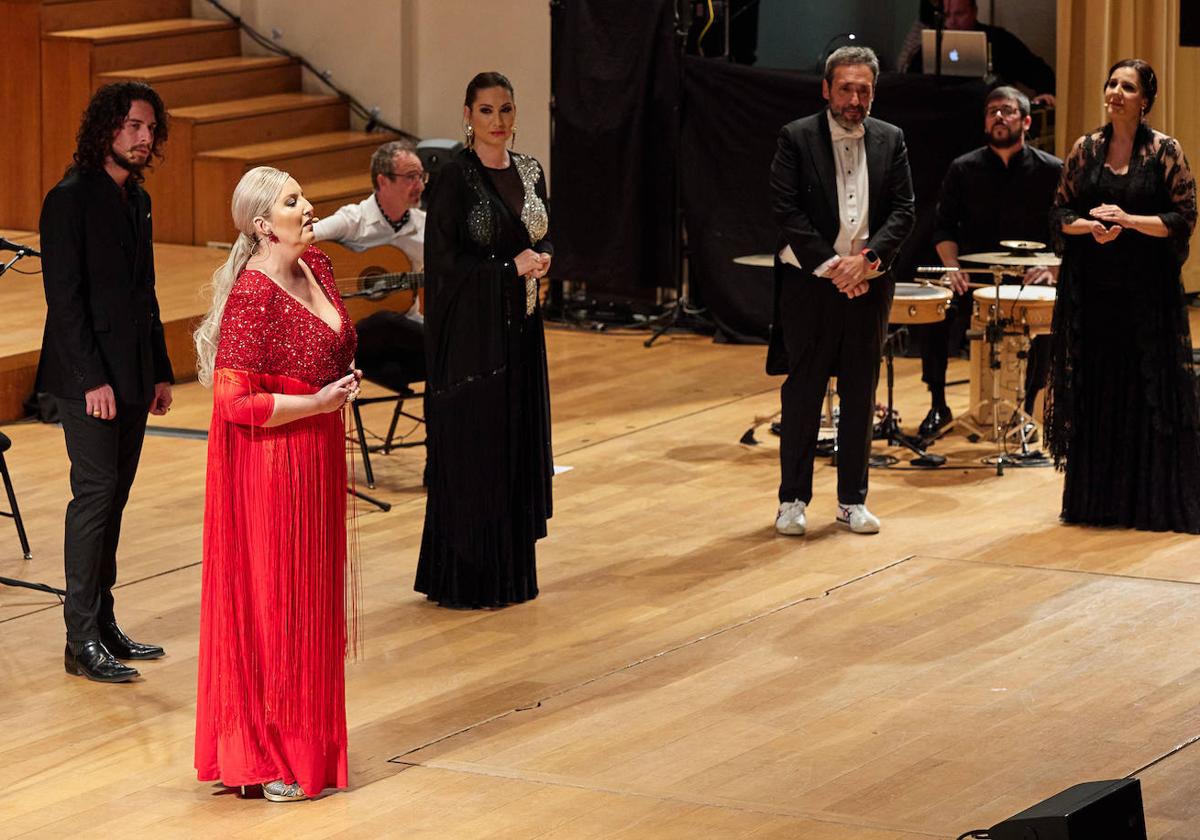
<point x="790" y="519"/>
<point x="860" y="520"/>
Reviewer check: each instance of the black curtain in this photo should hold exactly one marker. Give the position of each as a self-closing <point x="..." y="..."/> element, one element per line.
<point x="731" y="119"/>
<point x="614" y="80"/>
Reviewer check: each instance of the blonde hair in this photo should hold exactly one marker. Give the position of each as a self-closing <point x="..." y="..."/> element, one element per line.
<point x="253" y="197"/>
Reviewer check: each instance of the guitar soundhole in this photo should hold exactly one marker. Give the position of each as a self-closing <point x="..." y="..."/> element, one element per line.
<point x="373" y="281"/>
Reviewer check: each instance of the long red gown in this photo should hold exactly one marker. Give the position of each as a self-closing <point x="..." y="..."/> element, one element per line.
<point x="271" y="694"/>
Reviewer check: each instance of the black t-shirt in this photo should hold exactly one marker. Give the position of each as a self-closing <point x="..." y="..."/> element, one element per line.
<point x="983" y="201"/>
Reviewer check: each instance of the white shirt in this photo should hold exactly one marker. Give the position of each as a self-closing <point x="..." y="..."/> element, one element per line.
<point x="850" y="164"/>
<point x="362" y="226"/>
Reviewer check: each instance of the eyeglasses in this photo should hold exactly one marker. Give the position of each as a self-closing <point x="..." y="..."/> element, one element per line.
<point x="1005" y="111"/>
<point x="420" y="175"/>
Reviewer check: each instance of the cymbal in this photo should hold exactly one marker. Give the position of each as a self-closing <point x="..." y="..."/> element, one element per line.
<point x="1046" y="258"/>
<point x="759" y="260"/>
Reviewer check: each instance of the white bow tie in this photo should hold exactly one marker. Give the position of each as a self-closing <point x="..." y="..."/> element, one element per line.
<point x="839" y="133"/>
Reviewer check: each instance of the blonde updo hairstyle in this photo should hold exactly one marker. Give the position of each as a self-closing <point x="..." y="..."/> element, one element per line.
<point x="253" y="198"/>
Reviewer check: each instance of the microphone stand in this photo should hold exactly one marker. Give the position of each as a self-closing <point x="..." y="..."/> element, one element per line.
<point x="6" y="581"/>
<point x="21" y="252"/>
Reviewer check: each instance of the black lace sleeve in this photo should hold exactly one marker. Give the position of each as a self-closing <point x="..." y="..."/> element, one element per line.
<point x="1181" y="189"/>
<point x="1064" y="210"/>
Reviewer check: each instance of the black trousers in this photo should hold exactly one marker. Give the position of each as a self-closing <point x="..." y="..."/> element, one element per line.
<point x="940" y="339"/>
<point x="104" y="458"/>
<point x="391" y="349"/>
<point x="827" y="334"/>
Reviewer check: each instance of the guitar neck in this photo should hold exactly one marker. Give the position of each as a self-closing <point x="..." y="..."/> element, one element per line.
<point x="380" y="285"/>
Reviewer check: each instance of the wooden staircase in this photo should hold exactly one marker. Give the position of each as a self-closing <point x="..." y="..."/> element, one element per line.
<point x="229" y="112"/>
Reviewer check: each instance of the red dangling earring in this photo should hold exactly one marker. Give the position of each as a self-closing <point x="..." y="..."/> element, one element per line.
<point x="272" y="237"/>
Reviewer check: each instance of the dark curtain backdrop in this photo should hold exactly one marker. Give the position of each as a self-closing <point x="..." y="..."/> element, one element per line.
<point x="731" y="118"/>
<point x="614" y="80"/>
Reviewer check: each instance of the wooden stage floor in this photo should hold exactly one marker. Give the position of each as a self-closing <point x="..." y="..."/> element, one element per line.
<point x="685" y="673"/>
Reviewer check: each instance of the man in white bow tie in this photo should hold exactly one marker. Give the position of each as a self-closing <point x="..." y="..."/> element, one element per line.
<point x="842" y="195"/>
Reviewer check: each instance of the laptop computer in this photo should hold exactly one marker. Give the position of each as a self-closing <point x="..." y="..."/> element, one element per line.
<point x="964" y="52"/>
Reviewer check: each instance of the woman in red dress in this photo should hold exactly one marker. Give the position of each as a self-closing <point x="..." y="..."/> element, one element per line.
<point x="276" y="347"/>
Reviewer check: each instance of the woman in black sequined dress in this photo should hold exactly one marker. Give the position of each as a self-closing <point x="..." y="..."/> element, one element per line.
<point x="487" y="400"/>
<point x="1122" y="409"/>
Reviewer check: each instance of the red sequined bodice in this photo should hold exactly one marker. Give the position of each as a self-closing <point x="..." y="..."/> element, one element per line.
<point x="266" y="330"/>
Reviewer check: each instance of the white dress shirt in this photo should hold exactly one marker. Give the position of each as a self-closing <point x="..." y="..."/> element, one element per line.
<point x="850" y="163"/>
<point x="363" y="225"/>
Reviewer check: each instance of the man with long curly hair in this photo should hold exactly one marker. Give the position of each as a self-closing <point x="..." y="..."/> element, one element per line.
<point x="104" y="357"/>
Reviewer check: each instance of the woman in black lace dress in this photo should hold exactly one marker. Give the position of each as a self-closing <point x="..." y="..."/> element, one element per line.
<point x="1122" y="408"/>
<point x="487" y="402"/>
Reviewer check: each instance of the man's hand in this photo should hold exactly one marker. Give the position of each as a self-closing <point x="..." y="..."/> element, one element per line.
<point x="1103" y="234"/>
<point x="1040" y="275"/>
<point x="101" y="403"/>
<point x="161" y="403"/>
<point x="960" y="281"/>
<point x="848" y="273"/>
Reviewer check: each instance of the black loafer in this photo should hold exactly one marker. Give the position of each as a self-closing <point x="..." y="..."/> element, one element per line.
<point x="937" y="419"/>
<point x="123" y="647"/>
<point x="90" y="659"/>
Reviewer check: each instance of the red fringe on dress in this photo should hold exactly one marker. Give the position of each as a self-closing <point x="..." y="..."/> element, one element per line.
<point x="271" y="695"/>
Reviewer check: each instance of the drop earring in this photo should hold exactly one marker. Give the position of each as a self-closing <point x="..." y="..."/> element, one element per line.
<point x="469" y="133"/>
<point x="272" y="237"/>
<point x="512" y="139"/>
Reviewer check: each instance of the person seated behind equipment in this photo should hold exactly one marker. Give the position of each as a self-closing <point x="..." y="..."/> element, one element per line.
<point x="391" y="345"/>
<point x="1012" y="61"/>
<point x="1002" y="190"/>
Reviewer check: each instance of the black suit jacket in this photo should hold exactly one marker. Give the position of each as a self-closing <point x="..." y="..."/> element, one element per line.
<point x="102" y="318"/>
<point x="805" y="204"/>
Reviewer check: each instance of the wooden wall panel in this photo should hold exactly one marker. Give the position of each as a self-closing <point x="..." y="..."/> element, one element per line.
<point x="20" y="103"/>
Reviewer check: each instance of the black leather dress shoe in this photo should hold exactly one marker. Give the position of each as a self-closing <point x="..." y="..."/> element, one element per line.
<point x="938" y="418"/>
<point x="123" y="647"/>
<point x="90" y="659"/>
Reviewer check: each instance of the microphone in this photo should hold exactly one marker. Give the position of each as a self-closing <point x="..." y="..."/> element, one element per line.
<point x="28" y="250"/>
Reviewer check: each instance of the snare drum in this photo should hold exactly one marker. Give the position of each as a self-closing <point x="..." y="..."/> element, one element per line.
<point x="1031" y="306"/>
<point x="917" y="304"/>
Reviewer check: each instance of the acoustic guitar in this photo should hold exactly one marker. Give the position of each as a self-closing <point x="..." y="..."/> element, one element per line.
<point x="378" y="278"/>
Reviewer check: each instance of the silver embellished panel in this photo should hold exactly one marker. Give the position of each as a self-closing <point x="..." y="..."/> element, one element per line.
<point x="481" y="223"/>
<point x="533" y="211"/>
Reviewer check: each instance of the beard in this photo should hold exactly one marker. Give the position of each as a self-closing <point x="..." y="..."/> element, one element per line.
<point x="122" y="160"/>
<point x="1007" y="141"/>
<point x="848" y="122"/>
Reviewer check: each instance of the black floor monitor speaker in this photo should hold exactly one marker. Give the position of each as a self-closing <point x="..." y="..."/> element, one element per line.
<point x="1110" y="810"/>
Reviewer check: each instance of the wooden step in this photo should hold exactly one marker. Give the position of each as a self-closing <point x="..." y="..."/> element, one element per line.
<point x="214" y="79"/>
<point x="200" y="128"/>
<point x="151" y="42"/>
<point x="78" y="14"/>
<point x="68" y="83"/>
<point x="328" y="194"/>
<point x="313" y="157"/>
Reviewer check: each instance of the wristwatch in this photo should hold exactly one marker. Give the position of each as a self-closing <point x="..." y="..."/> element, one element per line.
<point x="872" y="258"/>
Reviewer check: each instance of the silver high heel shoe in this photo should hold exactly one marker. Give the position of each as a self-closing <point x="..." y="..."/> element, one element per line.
<point x="277" y="791"/>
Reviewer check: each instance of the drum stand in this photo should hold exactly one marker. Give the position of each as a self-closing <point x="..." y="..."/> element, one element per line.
<point x="889" y="429"/>
<point x="994" y="334"/>
<point x="826" y="446"/>
<point x="1020" y="421"/>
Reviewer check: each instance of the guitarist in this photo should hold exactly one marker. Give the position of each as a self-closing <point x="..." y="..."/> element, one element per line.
<point x="391" y="345"/>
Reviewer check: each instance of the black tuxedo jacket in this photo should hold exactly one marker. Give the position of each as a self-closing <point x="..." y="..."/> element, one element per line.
<point x="805" y="203"/>
<point x="102" y="318"/>
<point x="804" y="189"/>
